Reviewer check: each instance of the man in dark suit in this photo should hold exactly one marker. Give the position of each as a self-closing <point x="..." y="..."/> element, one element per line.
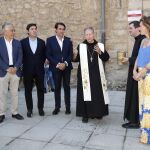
<point x="59" y="53"/>
<point x="10" y="62"/>
<point x="33" y="68"/>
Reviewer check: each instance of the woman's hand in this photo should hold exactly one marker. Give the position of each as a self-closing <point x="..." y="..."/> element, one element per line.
<point x="148" y="66"/>
<point x="138" y="75"/>
<point x="135" y="75"/>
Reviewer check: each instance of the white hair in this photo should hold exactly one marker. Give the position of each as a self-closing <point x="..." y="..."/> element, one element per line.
<point x="7" y="25"/>
<point x="89" y="28"/>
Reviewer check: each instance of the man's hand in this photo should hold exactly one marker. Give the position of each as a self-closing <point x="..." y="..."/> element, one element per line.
<point x="125" y="60"/>
<point x="75" y="52"/>
<point x="9" y="69"/>
<point x="61" y="66"/>
<point x="12" y="70"/>
<point x="97" y="49"/>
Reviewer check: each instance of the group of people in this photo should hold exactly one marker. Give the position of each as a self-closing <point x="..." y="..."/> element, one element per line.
<point x="137" y="100"/>
<point x="27" y="58"/>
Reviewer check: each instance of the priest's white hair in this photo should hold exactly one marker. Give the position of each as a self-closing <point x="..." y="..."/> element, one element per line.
<point x="89" y="28"/>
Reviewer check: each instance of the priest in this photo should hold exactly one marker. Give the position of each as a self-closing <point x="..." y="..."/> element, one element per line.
<point x="92" y="95"/>
<point x="131" y="108"/>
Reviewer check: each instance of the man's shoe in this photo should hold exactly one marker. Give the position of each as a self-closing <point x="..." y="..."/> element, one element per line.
<point x="126" y="124"/>
<point x="99" y="118"/>
<point x="56" y="111"/>
<point x="131" y="125"/>
<point x="41" y="112"/>
<point x="85" y="120"/>
<point x="17" y="116"/>
<point x="29" y="114"/>
<point x="68" y="111"/>
<point x="2" y="117"/>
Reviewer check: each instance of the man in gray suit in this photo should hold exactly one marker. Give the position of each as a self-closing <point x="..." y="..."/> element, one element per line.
<point x="10" y="62"/>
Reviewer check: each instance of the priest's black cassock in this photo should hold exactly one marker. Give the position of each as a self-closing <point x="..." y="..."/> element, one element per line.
<point x="131" y="110"/>
<point x="96" y="107"/>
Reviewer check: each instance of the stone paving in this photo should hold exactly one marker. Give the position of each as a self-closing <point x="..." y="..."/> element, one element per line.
<point x="67" y="132"/>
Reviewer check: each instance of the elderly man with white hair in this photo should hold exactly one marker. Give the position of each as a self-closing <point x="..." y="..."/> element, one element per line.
<point x="10" y="62"/>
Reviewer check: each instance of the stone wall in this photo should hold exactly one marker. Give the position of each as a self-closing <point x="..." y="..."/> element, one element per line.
<point x="78" y="14"/>
<point x="116" y="40"/>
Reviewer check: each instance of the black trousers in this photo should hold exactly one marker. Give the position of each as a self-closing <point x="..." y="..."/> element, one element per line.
<point x="29" y="82"/>
<point x="60" y="76"/>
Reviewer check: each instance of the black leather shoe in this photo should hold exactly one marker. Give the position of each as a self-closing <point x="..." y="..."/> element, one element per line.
<point x="85" y="120"/>
<point x="2" y="117"/>
<point x="41" y="112"/>
<point x="17" y="116"/>
<point x="29" y="114"/>
<point x="68" y="111"/>
<point x="130" y="125"/>
<point x="56" y="111"/>
<point x="125" y="124"/>
<point x="99" y="118"/>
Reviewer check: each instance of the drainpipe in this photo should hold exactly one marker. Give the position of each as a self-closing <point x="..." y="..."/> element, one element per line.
<point x="102" y="22"/>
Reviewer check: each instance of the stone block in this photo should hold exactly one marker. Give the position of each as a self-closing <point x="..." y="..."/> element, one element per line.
<point x="21" y="144"/>
<point x="71" y="137"/>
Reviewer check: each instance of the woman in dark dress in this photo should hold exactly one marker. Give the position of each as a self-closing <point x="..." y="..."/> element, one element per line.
<point x="96" y="108"/>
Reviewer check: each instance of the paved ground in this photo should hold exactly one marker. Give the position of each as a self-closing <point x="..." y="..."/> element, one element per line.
<point x="67" y="132"/>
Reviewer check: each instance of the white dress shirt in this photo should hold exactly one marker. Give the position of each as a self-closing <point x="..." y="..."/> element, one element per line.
<point x="10" y="51"/>
<point x="33" y="44"/>
<point x="60" y="42"/>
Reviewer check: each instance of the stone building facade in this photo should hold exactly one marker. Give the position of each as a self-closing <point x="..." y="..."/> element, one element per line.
<point x="78" y="14"/>
<point x="117" y="37"/>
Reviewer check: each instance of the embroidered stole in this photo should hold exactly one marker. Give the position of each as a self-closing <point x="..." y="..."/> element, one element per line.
<point x="85" y="73"/>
